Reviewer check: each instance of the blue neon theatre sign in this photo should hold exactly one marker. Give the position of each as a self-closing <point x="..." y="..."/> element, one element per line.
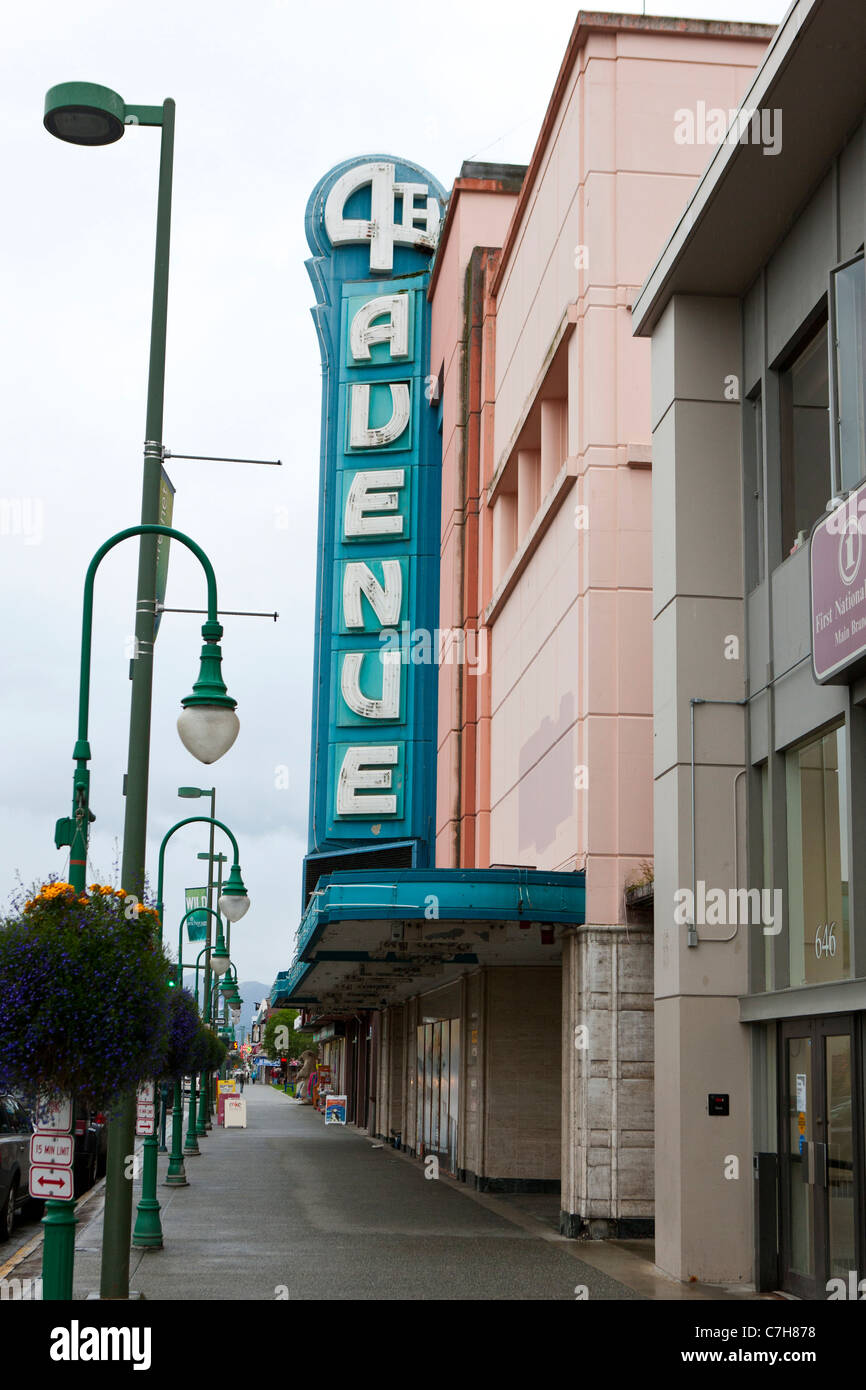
<point x="372" y="224"/>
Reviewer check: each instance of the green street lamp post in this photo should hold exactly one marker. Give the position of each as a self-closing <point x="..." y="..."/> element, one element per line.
<point x="190" y="1147"/>
<point x="191" y="793"/>
<point x="208" y="716"/>
<point x="148" y="1227"/>
<point x="84" y="113"/>
<point x="163" y="1117"/>
<point x="204" y="709"/>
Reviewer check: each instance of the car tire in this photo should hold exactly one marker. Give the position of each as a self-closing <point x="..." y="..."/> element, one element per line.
<point x="7" y="1216"/>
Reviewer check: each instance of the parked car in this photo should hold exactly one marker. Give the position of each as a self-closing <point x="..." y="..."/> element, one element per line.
<point x="15" y="1132"/>
<point x="91" y="1145"/>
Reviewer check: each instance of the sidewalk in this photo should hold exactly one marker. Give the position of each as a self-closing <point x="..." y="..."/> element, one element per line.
<point x="289" y="1209"/>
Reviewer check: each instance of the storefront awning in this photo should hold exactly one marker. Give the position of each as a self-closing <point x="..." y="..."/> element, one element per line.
<point x="367" y="941"/>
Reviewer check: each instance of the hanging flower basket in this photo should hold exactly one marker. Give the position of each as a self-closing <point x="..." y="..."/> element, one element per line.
<point x="84" y="997"/>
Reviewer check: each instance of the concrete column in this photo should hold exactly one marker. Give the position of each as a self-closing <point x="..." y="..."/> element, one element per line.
<point x="703" y="1212"/>
<point x="607" y="1082"/>
<point x="553" y="442"/>
<point x="528" y="468"/>
<point x="504" y="533"/>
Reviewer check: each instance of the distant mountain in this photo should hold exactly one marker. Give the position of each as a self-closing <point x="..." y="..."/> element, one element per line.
<point x="252" y="993"/>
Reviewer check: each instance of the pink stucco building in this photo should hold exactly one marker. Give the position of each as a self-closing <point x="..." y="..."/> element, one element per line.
<point x="545" y="756"/>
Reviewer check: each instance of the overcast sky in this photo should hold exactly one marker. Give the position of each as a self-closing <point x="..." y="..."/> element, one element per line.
<point x="269" y="97"/>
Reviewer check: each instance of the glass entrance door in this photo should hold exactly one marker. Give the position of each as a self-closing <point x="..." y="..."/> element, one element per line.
<point x="438" y="1052"/>
<point x="818" y="1150"/>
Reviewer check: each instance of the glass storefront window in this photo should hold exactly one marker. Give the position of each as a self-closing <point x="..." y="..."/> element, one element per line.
<point x="438" y="1072"/>
<point x="817" y="801"/>
<point x="753" y="482"/>
<point x="766" y="825"/>
<point x="849" y="302"/>
<point x="804" y="392"/>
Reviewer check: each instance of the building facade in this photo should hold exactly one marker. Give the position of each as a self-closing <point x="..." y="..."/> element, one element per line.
<point x="495" y="985"/>
<point x="759" y="610"/>
<point x="545" y="726"/>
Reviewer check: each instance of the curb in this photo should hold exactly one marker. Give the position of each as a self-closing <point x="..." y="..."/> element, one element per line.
<point x="34" y="1243"/>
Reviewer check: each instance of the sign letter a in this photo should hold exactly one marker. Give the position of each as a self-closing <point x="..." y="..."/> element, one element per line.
<point x="395" y="331"/>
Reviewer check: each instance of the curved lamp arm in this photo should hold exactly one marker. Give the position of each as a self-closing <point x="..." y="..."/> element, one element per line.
<point x="189" y="820"/>
<point x="209" y="691"/>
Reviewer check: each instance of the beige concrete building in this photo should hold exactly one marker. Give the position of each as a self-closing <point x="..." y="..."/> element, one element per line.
<point x="756" y="313"/>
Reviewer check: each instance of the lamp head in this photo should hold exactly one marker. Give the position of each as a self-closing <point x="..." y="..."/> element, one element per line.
<point x="83" y="113"/>
<point x="234" y="901"/>
<point x="208" y="725"/>
<point x="219" y="956"/>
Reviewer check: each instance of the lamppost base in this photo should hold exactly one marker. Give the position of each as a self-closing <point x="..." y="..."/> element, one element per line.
<point x="191" y="1151"/>
<point x="148" y="1228"/>
<point x="58" y="1250"/>
<point x="176" y="1179"/>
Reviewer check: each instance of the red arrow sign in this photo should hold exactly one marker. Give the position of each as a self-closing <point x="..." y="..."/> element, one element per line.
<point x="44" y="1175"/>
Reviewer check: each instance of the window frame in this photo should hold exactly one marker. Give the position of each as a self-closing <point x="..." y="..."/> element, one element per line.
<point x="832" y="349"/>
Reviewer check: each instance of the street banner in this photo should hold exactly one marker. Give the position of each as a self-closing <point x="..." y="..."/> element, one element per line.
<point x="166" y="511"/>
<point x="196" y="925"/>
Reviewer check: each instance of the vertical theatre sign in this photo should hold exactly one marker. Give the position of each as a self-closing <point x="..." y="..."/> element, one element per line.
<point x="372" y="224"/>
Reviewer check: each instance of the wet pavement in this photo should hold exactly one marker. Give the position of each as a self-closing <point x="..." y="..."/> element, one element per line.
<point x="290" y="1209"/>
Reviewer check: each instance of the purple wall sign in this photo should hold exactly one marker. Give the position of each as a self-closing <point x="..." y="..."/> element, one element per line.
<point x="837" y="564"/>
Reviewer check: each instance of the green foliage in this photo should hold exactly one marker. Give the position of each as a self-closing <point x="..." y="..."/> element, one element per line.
<point x="646" y="876"/>
<point x="287" y="1043"/>
<point x="84" y="1003"/>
